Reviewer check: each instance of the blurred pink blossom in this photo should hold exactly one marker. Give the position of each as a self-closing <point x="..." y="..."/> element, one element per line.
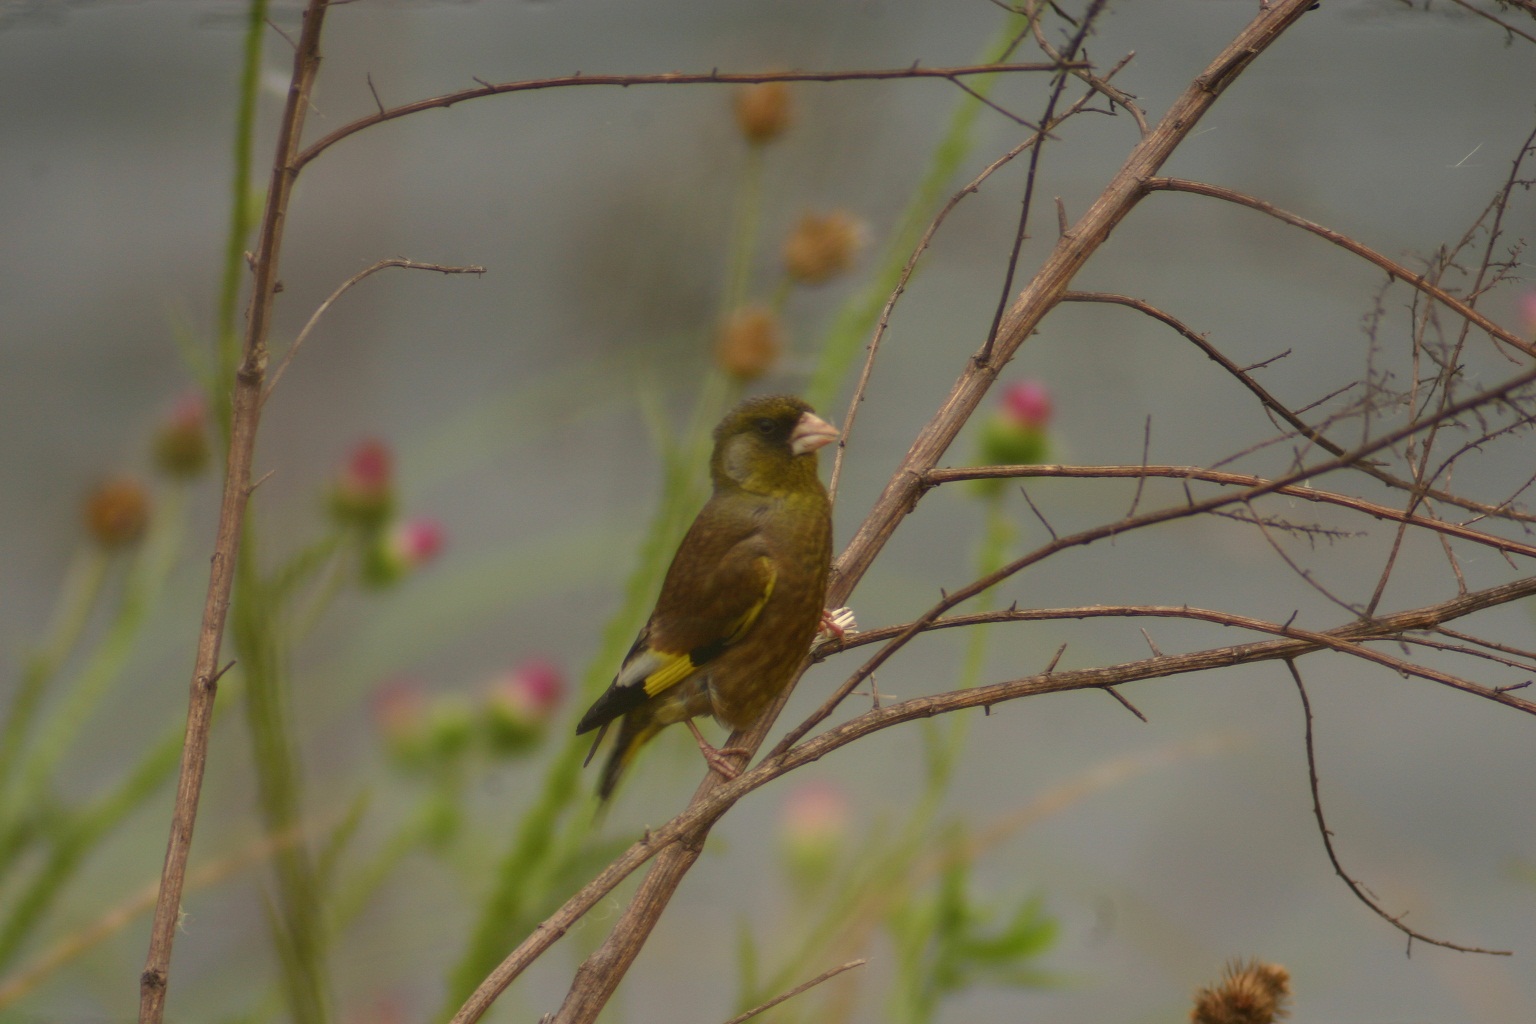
<point x="1028" y="403"/>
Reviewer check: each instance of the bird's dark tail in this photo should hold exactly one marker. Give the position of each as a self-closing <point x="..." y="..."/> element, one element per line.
<point x="634" y="730"/>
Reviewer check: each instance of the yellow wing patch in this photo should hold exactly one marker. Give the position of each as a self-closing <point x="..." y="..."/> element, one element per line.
<point x="675" y="668"/>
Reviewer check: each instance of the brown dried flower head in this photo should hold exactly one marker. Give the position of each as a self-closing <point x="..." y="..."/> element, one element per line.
<point x="763" y="111"/>
<point x="749" y="343"/>
<point x="1250" y="992"/>
<point x="822" y="246"/>
<point x="117" y="512"/>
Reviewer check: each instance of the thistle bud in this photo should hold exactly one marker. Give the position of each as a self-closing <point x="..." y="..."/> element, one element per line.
<point x="181" y="442"/>
<point x="520" y="705"/>
<point x="814" y="830"/>
<point x="749" y="343"/>
<point x="763" y="111"/>
<point x="822" y="246"/>
<point x="117" y="512"/>
<point x="364" y="492"/>
<point x="402" y="550"/>
<point x="1249" y="993"/>
<point x="1016" y="434"/>
<point x="420" y="731"/>
<point x="399" y="711"/>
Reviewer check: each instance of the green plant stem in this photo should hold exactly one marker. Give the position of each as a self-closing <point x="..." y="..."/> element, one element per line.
<point x="365" y="879"/>
<point x="241" y="222"/>
<point x="748" y="222"/>
<point x="53" y="737"/>
<point x="78" y="596"/>
<point x="296" y="919"/>
<point x="83" y="832"/>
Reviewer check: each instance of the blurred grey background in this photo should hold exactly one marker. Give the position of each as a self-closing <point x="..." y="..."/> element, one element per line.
<point x="602" y="217"/>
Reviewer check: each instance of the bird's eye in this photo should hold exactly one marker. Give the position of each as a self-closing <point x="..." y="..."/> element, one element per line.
<point x="766" y="427"/>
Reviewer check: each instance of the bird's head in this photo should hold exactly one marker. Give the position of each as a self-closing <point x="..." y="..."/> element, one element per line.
<point x="767" y="445"/>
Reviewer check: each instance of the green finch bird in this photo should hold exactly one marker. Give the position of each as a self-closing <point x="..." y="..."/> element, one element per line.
<point x="743" y="597"/>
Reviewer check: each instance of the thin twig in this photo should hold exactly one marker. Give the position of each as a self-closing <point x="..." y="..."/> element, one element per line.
<point x="1397" y="270"/>
<point x="1293" y="417"/>
<point x="943" y="476"/>
<point x="673" y="78"/>
<point x="826" y="975"/>
<point x="882" y="324"/>
<point x="1333" y="857"/>
<point x="293" y="350"/>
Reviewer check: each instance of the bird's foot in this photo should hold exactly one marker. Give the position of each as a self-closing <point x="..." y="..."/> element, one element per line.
<point x="727" y="762"/>
<point x="836" y="624"/>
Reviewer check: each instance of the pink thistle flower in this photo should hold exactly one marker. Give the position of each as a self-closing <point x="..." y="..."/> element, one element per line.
<point x="364" y="492"/>
<point x="521" y="703"/>
<point x="1028" y="403"/>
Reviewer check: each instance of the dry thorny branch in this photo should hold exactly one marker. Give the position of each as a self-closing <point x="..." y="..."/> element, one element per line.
<point x="1385" y="449"/>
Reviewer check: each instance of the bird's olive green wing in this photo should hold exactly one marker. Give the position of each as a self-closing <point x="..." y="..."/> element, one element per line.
<point x="719" y="582"/>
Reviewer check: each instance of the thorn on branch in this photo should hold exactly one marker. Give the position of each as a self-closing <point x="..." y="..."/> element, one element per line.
<point x="377" y="102"/>
<point x="1265" y="362"/>
<point x="1511" y="689"/>
<point x="1132" y="708"/>
<point x="1038" y="515"/>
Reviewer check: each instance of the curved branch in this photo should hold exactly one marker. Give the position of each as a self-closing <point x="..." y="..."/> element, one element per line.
<point x="1343" y="241"/>
<point x="1370" y="508"/>
<point x="1274" y="405"/>
<point x="314" y="318"/>
<point x="1338" y="868"/>
<point x="952" y="74"/>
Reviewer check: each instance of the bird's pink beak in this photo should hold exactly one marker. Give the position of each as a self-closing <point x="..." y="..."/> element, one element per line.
<point x="811" y="432"/>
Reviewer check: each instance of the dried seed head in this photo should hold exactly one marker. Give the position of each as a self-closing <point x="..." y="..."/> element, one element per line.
<point x="749" y="343"/>
<point x="1251" y="992"/>
<point x="117" y="512"/>
<point x="822" y="246"/>
<point x="763" y="111"/>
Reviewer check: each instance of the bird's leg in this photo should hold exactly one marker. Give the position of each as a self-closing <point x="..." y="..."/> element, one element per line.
<point x="721" y="760"/>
